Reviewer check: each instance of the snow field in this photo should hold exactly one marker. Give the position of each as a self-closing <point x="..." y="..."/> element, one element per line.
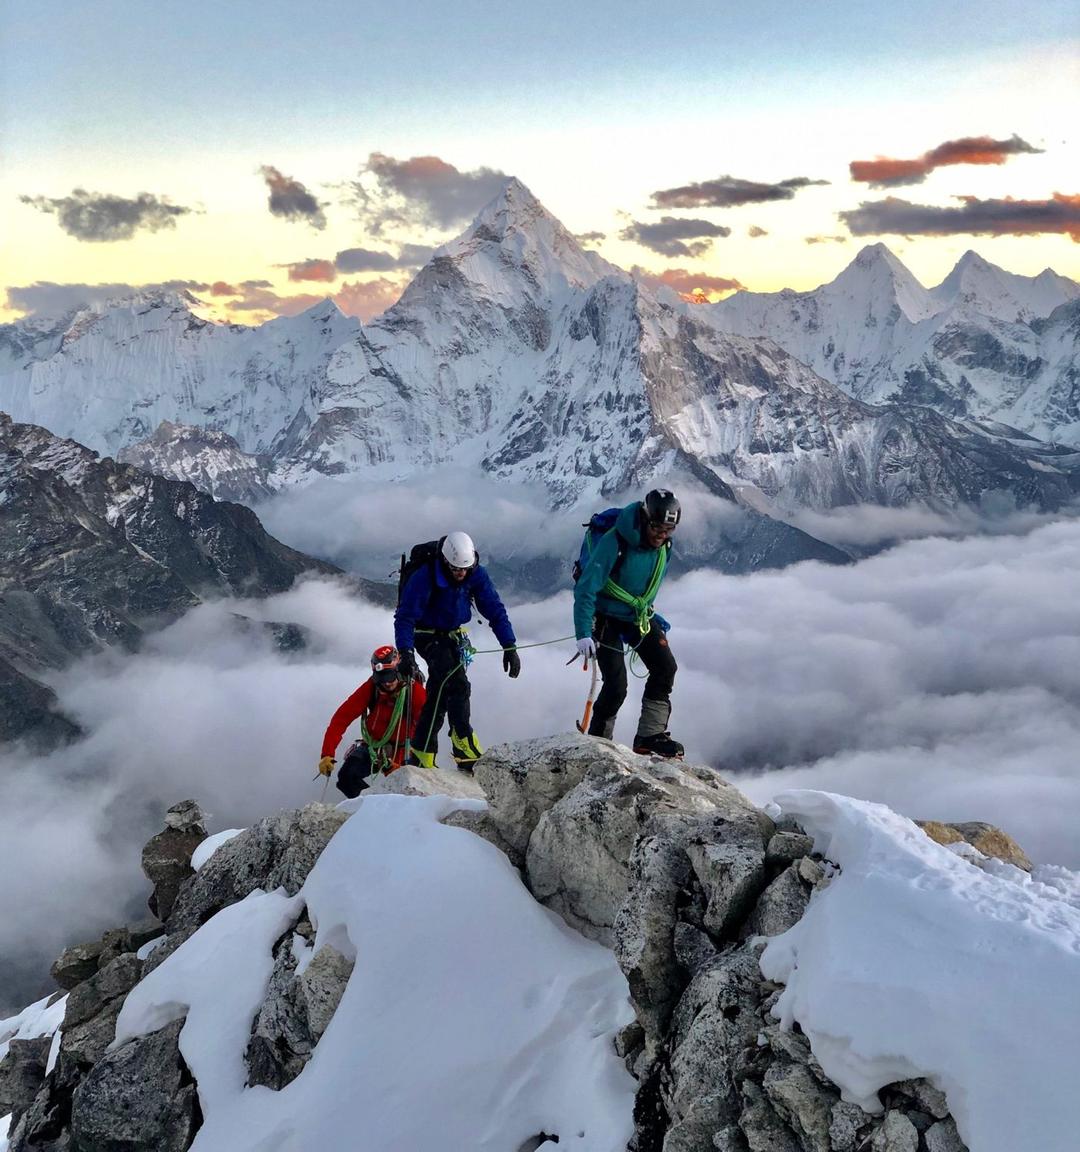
<point x="917" y="962"/>
<point x="474" y="1017"/>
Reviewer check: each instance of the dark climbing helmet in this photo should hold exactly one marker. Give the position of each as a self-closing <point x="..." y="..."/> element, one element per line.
<point x="661" y="508"/>
<point x="385" y="665"/>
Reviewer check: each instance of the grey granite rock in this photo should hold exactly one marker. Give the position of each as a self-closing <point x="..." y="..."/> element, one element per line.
<point x="138" y="1098"/>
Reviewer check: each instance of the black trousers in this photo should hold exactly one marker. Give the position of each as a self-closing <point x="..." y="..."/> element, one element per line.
<point x="442" y="654"/>
<point x="354" y="771"/>
<point x="610" y="634"/>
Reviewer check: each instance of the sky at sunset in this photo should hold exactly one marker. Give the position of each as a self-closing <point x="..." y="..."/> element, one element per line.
<point x="266" y="155"/>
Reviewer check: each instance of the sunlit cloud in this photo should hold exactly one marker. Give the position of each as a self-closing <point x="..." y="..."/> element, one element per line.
<point x="423" y="191"/>
<point x="322" y="270"/>
<point x="754" y="232"/>
<point x="693" y="287"/>
<point x="367" y="299"/>
<point x="825" y="239"/>
<point x="100" y="217"/>
<point x="887" y="172"/>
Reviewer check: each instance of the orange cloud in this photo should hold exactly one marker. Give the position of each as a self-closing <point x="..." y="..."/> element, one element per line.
<point x="693" y="287"/>
<point x="367" y="299"/>
<point x="887" y="172"/>
<point x="321" y="270"/>
<point x="220" y="288"/>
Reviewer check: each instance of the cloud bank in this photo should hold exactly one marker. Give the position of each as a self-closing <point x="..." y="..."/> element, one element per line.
<point x="941" y="677"/>
<point x="973" y="217"/>
<point x="730" y="192"/>
<point x="102" y="218"/>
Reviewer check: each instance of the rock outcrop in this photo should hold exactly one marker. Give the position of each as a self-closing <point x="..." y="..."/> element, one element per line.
<point x="665" y="863"/>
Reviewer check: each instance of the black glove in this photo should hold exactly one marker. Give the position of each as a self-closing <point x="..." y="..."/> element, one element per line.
<point x="511" y="663"/>
<point x="407" y="666"/>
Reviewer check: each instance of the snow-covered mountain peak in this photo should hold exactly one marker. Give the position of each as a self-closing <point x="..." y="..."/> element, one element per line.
<point x="979" y="286"/>
<point x="877" y="281"/>
<point x="515" y="231"/>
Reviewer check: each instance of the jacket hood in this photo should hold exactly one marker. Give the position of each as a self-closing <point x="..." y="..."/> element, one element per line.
<point x="627" y="525"/>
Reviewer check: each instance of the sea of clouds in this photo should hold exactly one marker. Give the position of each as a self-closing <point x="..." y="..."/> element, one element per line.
<point x="941" y="677"/>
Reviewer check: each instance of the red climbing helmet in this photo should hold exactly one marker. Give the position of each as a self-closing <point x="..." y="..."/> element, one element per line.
<point x="385" y="665"/>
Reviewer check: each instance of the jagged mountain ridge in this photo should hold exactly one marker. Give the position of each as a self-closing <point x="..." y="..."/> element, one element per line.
<point x="517" y="352"/>
<point x="976" y="346"/>
<point x="95" y="553"/>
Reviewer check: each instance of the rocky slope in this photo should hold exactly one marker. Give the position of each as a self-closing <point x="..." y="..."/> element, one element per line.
<point x="516" y="352"/>
<point x="95" y="553"/>
<point x="668" y="865"/>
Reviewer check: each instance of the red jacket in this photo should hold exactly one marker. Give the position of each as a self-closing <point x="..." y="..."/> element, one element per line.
<point x="376" y="708"/>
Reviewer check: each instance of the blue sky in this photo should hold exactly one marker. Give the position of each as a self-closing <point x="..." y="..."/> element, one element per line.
<point x="594" y="105"/>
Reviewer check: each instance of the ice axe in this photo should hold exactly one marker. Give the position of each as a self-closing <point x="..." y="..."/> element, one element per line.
<point x="583" y="723"/>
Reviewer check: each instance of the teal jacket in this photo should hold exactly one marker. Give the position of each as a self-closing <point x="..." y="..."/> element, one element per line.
<point x="634" y="573"/>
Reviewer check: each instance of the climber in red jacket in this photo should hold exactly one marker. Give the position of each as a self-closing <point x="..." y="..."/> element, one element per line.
<point x="388" y="712"/>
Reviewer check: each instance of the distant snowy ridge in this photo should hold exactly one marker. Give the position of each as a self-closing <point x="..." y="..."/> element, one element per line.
<point x="596" y="972"/>
<point x="985" y="343"/>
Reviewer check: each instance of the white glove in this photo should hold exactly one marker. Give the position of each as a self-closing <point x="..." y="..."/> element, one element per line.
<point x="586" y="648"/>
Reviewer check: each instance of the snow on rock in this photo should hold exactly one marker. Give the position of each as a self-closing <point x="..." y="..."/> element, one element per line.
<point x="210" y="845"/>
<point x="916" y="962"/>
<point x="473" y="1019"/>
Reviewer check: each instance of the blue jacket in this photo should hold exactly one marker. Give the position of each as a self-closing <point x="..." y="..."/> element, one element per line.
<point x="634" y="574"/>
<point x="430" y="599"/>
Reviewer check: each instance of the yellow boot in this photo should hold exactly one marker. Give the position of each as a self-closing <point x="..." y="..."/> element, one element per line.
<point x="466" y="750"/>
<point x="424" y="759"/>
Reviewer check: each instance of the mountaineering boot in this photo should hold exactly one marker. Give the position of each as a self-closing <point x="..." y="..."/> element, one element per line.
<point x="659" y="744"/>
<point x="421" y="759"/>
<point x="466" y="750"/>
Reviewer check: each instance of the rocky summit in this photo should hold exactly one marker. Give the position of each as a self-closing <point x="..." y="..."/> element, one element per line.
<point x="665" y="863"/>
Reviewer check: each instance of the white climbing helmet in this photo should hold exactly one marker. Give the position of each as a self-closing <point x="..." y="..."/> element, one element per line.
<point x="459" y="551"/>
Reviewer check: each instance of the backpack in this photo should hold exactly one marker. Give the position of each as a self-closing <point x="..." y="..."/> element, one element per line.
<point x="599" y="525"/>
<point x="420" y="556"/>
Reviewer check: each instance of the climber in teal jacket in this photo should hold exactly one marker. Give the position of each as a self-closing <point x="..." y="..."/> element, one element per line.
<point x="613" y="607"/>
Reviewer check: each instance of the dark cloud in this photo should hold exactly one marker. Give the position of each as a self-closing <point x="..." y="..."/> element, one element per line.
<point x="730" y="192"/>
<point x="693" y="287"/>
<point x="887" y="172"/>
<point x="321" y="270"/>
<point x="590" y="237"/>
<point x="423" y="191"/>
<point x="754" y="232"/>
<point x="291" y="200"/>
<point x="973" y="217"/>
<point x="666" y="236"/>
<point x="373" y="260"/>
<point x="825" y="239"/>
<point x="45" y="298"/>
<point x="98" y="217"/>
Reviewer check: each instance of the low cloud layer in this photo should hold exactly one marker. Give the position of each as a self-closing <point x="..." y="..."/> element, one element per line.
<point x="887" y="172"/>
<point x="102" y="218"/>
<point x="667" y="235"/>
<point x="973" y="217"/>
<point x="291" y="200"/>
<point x="730" y="192"/>
<point x="423" y="191"/>
<point x="825" y="239"/>
<point x="408" y="256"/>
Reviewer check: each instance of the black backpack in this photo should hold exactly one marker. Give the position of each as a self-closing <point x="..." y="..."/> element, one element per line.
<point x="420" y="556"/>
